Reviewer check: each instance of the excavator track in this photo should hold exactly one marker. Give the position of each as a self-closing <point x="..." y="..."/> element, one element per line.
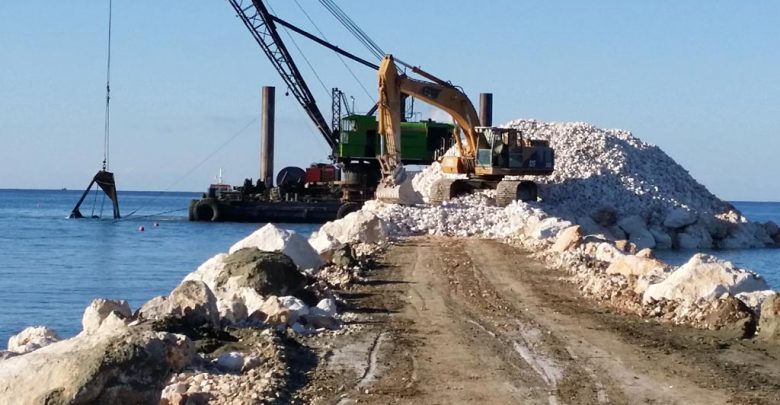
<point x="447" y="189"/>
<point x="513" y="190"/>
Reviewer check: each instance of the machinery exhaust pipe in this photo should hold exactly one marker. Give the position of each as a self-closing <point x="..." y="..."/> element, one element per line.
<point x="486" y="109"/>
<point x="267" y="136"/>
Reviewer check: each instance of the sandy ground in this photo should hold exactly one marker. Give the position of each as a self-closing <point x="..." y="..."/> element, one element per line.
<point x="475" y="321"/>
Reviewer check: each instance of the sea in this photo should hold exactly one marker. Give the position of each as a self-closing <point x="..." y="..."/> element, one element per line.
<point x="52" y="267"/>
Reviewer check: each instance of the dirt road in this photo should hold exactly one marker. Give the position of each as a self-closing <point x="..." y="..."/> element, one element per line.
<point x="476" y="321"/>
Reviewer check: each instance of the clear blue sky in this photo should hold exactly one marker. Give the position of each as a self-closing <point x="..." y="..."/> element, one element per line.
<point x="701" y="79"/>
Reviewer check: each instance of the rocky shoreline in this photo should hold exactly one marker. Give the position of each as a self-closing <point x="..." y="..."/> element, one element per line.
<point x="228" y="331"/>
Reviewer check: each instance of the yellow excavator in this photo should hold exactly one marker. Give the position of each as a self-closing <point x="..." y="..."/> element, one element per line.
<point x="487" y="156"/>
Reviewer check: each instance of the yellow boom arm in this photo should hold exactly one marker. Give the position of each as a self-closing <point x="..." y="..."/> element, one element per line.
<point x="437" y="93"/>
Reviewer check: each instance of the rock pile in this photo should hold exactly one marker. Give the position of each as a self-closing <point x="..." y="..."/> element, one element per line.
<point x="610" y="183"/>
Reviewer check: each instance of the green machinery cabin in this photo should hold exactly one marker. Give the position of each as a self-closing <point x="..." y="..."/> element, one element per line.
<point x="421" y="142"/>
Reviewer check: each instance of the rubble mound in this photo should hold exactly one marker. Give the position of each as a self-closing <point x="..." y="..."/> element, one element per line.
<point x="612" y="167"/>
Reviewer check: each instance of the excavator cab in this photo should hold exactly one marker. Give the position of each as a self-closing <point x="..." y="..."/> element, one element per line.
<point x="505" y="151"/>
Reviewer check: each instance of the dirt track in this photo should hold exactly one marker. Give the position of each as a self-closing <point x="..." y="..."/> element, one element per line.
<point x="476" y="321"/>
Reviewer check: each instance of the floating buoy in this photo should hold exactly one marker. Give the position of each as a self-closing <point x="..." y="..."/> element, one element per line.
<point x="141" y="228"/>
<point x="156" y="224"/>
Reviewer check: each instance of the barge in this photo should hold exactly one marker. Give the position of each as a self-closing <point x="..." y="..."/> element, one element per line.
<point x="310" y="196"/>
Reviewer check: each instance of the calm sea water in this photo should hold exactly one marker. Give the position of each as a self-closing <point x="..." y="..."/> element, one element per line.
<point x="52" y="267"/>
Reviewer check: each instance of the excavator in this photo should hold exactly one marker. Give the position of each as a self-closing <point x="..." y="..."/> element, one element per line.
<point x="484" y="160"/>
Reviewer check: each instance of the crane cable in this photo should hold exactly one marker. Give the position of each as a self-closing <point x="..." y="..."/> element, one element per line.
<point x="196" y="167"/>
<point x="350" y="25"/>
<point x="343" y="62"/>
<point x="106" y="129"/>
<point x="295" y="44"/>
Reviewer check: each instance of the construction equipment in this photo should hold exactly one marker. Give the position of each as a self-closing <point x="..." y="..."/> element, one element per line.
<point x="353" y="139"/>
<point x="485" y="158"/>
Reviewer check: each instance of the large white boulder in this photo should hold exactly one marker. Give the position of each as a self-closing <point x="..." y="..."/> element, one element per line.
<point x="607" y="252"/>
<point x="662" y="239"/>
<point x="359" y="226"/>
<point x="591" y="227"/>
<point x="191" y="303"/>
<point x="679" y="217"/>
<point x="100" y="309"/>
<point x="209" y="271"/>
<point x="129" y="366"/>
<point x="694" y="237"/>
<point x="704" y="277"/>
<point x="270" y="238"/>
<point x="324" y="244"/>
<point x="630" y="265"/>
<point x="636" y="228"/>
<point x="548" y="228"/>
<point x="568" y="239"/>
<point x="32" y="338"/>
<point x="295" y="306"/>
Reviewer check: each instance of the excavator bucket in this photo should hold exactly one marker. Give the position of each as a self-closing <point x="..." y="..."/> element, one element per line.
<point x="397" y="189"/>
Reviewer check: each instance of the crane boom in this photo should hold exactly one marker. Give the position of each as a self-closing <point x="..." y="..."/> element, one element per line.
<point x="260" y="23"/>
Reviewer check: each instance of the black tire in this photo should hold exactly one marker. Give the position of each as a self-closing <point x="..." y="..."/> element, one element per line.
<point x="346" y="209"/>
<point x="207" y="210"/>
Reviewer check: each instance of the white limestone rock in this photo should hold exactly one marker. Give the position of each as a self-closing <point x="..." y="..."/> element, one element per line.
<point x="679" y="217"/>
<point x="295" y="306"/>
<point x="568" y="239"/>
<point x="326" y="307"/>
<point x="704" y="277"/>
<point x="638" y="234"/>
<point x="607" y="252"/>
<point x="324" y="244"/>
<point x="755" y="299"/>
<point x="630" y="265"/>
<point x="549" y="228"/>
<point x="32" y="338"/>
<point x="662" y="239"/>
<point x="359" y="226"/>
<point x="694" y="236"/>
<point x="231" y="362"/>
<point x="591" y="227"/>
<point x="100" y="308"/>
<point x="208" y="271"/>
<point x="270" y="238"/>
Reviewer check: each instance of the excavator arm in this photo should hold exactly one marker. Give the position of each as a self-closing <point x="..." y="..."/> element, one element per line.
<point x="437" y="93"/>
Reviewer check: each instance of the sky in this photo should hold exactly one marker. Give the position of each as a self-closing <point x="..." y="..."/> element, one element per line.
<point x="700" y="79"/>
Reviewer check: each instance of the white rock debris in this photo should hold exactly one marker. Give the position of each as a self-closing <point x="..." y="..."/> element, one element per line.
<point x="271" y="238"/>
<point x="32" y="338"/>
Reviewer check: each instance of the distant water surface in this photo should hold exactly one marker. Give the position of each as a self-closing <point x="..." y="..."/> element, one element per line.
<point x="52" y="267"/>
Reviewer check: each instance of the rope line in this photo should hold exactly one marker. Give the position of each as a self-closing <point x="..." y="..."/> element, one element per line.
<point x="196" y="167"/>
<point x="106" y="129"/>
